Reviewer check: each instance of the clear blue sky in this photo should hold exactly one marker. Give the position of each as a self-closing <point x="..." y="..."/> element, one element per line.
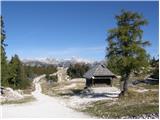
<point x="66" y="29"/>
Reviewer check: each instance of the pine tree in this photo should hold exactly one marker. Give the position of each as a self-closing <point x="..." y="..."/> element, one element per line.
<point x="18" y="78"/>
<point x="125" y="51"/>
<point x="4" y="64"/>
<point x="12" y="74"/>
<point x="29" y="72"/>
<point x="13" y="81"/>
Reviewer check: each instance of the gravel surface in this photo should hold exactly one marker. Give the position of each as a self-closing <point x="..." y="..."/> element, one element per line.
<point x="144" y="116"/>
<point x="44" y="106"/>
<point x="90" y="95"/>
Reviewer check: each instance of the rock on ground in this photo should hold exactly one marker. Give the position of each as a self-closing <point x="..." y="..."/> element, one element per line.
<point x="9" y="94"/>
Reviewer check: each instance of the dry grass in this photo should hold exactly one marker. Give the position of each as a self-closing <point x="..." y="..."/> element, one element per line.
<point x="62" y="89"/>
<point x="147" y="86"/>
<point x="133" y="104"/>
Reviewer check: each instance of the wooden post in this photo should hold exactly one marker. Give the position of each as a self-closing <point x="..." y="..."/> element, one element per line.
<point x="86" y="82"/>
<point x="92" y="82"/>
<point x="111" y="81"/>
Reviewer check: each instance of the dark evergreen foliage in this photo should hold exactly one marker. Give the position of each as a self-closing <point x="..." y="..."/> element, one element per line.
<point x="33" y="71"/>
<point x="17" y="75"/>
<point x="13" y="73"/>
<point x="4" y="64"/>
<point x="77" y="70"/>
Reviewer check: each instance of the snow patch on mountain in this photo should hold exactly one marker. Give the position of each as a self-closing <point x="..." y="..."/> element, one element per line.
<point x="53" y="61"/>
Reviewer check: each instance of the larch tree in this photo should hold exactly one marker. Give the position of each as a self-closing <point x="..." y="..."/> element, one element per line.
<point x="125" y="50"/>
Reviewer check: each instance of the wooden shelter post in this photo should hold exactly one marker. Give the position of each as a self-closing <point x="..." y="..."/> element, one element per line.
<point x="111" y="81"/>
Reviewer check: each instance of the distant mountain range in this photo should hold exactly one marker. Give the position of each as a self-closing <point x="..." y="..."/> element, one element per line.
<point x="56" y="62"/>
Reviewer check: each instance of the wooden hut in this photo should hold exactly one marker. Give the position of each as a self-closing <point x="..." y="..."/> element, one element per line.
<point x="98" y="76"/>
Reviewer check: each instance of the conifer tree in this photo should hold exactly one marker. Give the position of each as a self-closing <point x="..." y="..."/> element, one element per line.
<point x="4" y="64"/>
<point x="125" y="51"/>
<point x="13" y="73"/>
<point x="18" y="78"/>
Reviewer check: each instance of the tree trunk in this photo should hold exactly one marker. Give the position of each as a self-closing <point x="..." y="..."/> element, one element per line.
<point x="125" y="85"/>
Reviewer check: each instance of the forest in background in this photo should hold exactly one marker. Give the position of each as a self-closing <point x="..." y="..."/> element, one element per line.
<point x="14" y="73"/>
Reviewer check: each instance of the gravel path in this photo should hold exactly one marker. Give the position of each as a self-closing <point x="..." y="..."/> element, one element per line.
<point x="44" y="106"/>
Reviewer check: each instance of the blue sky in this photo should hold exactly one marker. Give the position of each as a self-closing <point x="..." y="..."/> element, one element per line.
<point x="67" y="29"/>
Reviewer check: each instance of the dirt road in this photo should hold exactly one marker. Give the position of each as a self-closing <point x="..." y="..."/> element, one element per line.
<point x="44" y="106"/>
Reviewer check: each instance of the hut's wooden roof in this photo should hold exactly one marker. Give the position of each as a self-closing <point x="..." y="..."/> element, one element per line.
<point x="98" y="70"/>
